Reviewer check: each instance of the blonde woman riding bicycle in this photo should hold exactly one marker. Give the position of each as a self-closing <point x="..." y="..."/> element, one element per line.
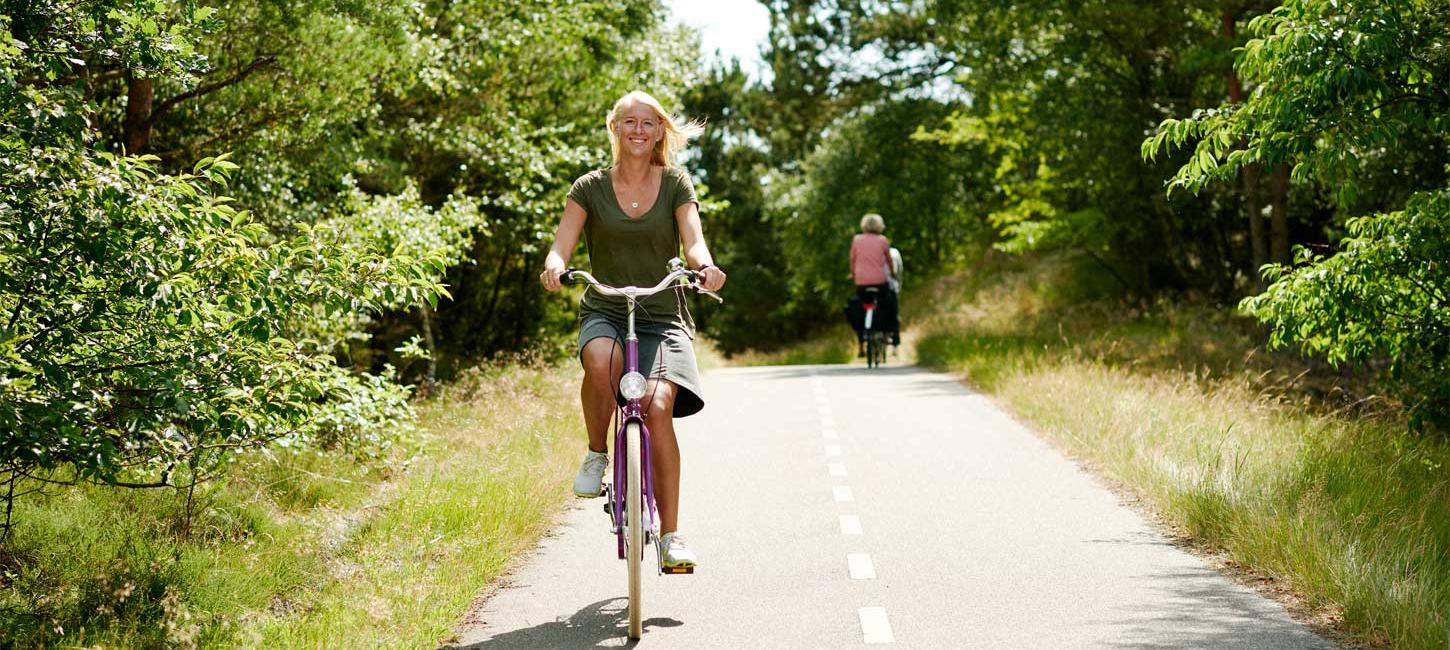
<point x="635" y="216"/>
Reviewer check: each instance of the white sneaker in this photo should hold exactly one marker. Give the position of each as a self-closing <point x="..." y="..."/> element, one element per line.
<point x="589" y="482"/>
<point x="674" y="553"/>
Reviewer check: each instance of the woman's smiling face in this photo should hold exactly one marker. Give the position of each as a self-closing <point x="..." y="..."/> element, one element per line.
<point x="638" y="128"/>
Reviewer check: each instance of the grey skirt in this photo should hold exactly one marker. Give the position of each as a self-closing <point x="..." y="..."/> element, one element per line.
<point x="665" y="352"/>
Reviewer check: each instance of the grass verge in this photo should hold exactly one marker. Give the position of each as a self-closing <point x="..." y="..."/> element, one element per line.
<point x="1291" y="471"/>
<point x="305" y="549"/>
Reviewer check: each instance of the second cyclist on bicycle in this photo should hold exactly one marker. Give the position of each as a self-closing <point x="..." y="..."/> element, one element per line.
<point x="876" y="272"/>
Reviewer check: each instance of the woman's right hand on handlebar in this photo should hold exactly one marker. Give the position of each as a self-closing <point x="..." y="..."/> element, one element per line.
<point x="553" y="268"/>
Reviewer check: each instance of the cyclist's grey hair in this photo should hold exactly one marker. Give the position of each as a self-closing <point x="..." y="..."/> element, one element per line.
<point x="873" y="223"/>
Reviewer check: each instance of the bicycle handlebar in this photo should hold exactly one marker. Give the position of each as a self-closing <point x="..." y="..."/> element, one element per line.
<point x="578" y="276"/>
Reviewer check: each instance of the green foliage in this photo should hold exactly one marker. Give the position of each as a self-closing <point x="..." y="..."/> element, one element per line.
<point x="728" y="169"/>
<point x="150" y="327"/>
<point x="499" y="102"/>
<point x="1060" y="93"/>
<point x="1348" y="93"/>
<point x="147" y="325"/>
<point x="870" y="162"/>
<point x="1385" y="295"/>
<point x="1339" y="84"/>
<point x="406" y="229"/>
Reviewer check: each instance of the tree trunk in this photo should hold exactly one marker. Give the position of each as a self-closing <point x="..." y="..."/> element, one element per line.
<point x="1258" y="239"/>
<point x="139" y="96"/>
<point x="432" y="376"/>
<point x="490" y="318"/>
<point x="522" y="316"/>
<point x="1235" y="88"/>
<point x="1256" y="216"/>
<point x="1279" y="226"/>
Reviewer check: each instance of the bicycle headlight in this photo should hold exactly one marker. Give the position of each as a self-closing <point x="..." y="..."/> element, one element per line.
<point x="631" y="385"/>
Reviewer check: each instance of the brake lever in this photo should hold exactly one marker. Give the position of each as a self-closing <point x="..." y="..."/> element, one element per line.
<point x="708" y="292"/>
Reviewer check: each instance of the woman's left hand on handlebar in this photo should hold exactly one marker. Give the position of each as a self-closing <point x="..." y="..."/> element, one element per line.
<point x="712" y="278"/>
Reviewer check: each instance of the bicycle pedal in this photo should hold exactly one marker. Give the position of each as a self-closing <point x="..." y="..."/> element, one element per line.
<point x="677" y="570"/>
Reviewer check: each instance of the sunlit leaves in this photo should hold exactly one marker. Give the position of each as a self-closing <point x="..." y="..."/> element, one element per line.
<point x="1334" y="82"/>
<point x="1385" y="294"/>
<point x="147" y="322"/>
<point x="1341" y="88"/>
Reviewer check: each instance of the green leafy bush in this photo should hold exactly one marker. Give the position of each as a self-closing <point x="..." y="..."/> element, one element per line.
<point x="147" y="322"/>
<point x="1337" y="86"/>
<point x="1386" y="294"/>
<point x="148" y="328"/>
<point x="1342" y="89"/>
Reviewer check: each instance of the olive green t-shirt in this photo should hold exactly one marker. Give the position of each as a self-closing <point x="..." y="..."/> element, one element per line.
<point x="625" y="251"/>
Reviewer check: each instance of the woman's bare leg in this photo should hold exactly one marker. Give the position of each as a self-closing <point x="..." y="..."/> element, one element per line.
<point x="603" y="364"/>
<point x="664" y="451"/>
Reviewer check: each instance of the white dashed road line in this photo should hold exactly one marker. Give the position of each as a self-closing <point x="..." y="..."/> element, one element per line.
<point x="875" y="627"/>
<point x="859" y="566"/>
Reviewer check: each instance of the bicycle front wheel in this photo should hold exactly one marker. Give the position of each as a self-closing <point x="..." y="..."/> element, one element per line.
<point x="633" y="523"/>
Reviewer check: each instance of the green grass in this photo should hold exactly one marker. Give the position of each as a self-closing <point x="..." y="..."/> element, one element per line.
<point x="308" y="549"/>
<point x="1294" y="471"/>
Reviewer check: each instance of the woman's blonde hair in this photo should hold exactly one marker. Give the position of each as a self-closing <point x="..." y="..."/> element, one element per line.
<point x="677" y="131"/>
<point x="873" y="223"/>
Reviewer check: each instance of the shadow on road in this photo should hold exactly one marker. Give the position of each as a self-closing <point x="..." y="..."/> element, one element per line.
<point x="1197" y="611"/>
<point x="599" y="625"/>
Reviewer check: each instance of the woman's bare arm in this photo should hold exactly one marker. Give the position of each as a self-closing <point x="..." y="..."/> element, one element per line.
<point x="697" y="253"/>
<point x="566" y="237"/>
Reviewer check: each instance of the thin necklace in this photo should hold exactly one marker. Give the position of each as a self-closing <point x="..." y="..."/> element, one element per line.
<point x="634" y="205"/>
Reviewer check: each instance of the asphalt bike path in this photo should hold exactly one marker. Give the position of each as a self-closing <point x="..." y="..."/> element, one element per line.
<point x="840" y="506"/>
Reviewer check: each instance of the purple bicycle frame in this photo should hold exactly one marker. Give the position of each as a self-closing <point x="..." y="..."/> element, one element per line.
<point x="631" y="412"/>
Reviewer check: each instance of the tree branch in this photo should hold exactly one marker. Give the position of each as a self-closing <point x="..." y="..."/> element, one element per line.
<point x="165" y="106"/>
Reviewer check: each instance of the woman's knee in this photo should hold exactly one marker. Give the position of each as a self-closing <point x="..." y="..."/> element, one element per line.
<point x="602" y="360"/>
<point x="662" y="397"/>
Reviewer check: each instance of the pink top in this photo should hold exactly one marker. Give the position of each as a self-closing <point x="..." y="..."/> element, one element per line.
<point x="870" y="257"/>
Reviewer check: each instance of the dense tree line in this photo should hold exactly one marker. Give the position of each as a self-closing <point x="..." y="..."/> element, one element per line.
<point x="223" y="223"/>
<point x="1188" y="148"/>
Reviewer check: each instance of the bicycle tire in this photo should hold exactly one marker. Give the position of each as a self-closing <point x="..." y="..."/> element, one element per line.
<point x="871" y="349"/>
<point x="634" y="524"/>
<point x="880" y="349"/>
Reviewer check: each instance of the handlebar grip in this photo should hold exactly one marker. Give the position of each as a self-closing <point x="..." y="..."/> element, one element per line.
<point x="567" y="278"/>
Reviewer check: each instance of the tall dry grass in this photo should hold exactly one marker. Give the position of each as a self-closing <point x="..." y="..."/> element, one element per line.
<point x="305" y="549"/>
<point x="1297" y="472"/>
